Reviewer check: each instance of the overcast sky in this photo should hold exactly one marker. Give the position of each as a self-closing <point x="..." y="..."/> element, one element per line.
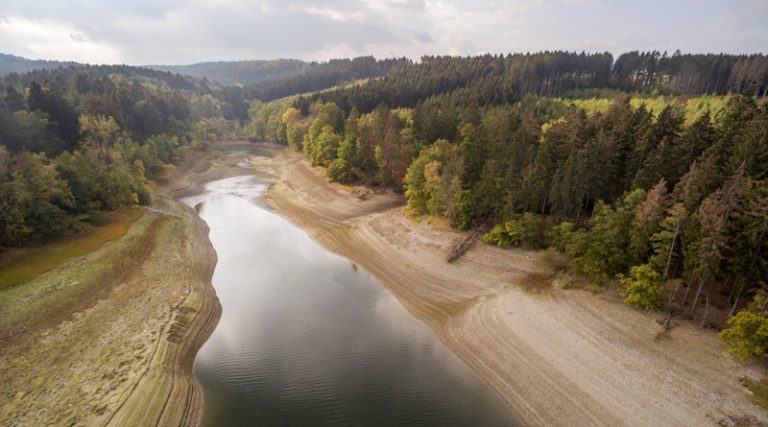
<point x="186" y="31"/>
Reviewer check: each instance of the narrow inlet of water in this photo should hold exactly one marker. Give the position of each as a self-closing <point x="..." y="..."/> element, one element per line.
<point x="307" y="338"/>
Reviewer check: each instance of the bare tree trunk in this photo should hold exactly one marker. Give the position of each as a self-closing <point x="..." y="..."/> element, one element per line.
<point x="732" y="294"/>
<point x="736" y="303"/>
<point x="706" y="310"/>
<point x="669" y="257"/>
<point x="578" y="214"/>
<point x="685" y="296"/>
<point x="696" y="298"/>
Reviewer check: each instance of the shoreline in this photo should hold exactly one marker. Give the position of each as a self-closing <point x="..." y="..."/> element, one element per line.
<point x="171" y="395"/>
<point x="131" y="317"/>
<point x="557" y="357"/>
<point x="124" y="355"/>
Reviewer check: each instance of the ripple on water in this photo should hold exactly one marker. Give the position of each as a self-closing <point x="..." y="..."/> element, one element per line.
<point x="307" y="338"/>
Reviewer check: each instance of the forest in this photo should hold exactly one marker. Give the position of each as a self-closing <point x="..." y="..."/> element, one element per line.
<point x="500" y="79"/>
<point x="648" y="172"/>
<point x="669" y="204"/>
<point x="89" y="140"/>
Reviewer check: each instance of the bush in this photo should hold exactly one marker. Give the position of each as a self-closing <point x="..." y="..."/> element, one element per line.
<point x="338" y="171"/>
<point x="558" y="235"/>
<point x="642" y="288"/>
<point x="748" y="334"/>
<point x="526" y="231"/>
<point x="496" y="236"/>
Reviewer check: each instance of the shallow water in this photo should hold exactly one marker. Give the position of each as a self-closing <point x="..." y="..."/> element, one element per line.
<point x="307" y="338"/>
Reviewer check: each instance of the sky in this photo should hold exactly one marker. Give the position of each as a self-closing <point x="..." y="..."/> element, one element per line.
<point x="144" y="32"/>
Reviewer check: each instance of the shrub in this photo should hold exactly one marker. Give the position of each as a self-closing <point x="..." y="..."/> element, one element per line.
<point x="526" y="231"/>
<point x="748" y="334"/>
<point x="642" y="288"/>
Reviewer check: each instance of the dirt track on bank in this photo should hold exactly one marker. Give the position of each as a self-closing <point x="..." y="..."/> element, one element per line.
<point x="558" y="357"/>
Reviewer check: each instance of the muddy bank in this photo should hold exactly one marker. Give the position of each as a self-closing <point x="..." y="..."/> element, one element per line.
<point x="558" y="357"/>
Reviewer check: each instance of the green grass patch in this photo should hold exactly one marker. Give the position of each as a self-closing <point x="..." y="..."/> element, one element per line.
<point x="759" y="390"/>
<point x="694" y="107"/>
<point x="22" y="265"/>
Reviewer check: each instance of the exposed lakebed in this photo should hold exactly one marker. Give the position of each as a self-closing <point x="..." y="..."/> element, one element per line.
<point x="307" y="338"/>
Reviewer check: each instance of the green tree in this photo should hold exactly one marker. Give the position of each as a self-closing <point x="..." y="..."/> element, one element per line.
<point x="746" y="262"/>
<point x="642" y="288"/>
<point x="61" y="113"/>
<point x="601" y="253"/>
<point x="294" y="131"/>
<point x="748" y="334"/>
<point x="36" y="201"/>
<point x="104" y="167"/>
<point x="325" y="146"/>
<point x="665" y="240"/>
<point x="14" y="100"/>
<point x="433" y="184"/>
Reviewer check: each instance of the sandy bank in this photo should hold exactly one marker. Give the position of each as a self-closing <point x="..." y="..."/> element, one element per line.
<point x="558" y="357"/>
<point x="122" y="324"/>
<point x="123" y="351"/>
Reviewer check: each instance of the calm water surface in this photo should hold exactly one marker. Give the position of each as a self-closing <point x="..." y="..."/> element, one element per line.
<point x="307" y="338"/>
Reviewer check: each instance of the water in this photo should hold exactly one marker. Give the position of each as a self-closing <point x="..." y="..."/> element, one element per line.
<point x="307" y="338"/>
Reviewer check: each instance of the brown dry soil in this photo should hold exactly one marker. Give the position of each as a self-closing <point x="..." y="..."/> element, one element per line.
<point x="109" y="338"/>
<point x="558" y="357"/>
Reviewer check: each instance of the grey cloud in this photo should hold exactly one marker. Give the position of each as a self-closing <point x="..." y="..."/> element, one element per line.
<point x="183" y="31"/>
<point x="246" y="33"/>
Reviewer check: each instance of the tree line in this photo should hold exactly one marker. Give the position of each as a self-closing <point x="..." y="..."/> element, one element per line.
<point x="319" y="76"/>
<point x="78" y="143"/>
<point x="675" y="211"/>
<point x="499" y="79"/>
<point x="668" y="205"/>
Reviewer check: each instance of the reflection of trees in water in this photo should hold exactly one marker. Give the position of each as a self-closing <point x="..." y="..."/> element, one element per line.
<point x="304" y="337"/>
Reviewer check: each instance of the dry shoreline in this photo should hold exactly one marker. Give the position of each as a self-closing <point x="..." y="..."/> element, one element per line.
<point x="558" y="357"/>
<point x="133" y="315"/>
<point x="124" y="354"/>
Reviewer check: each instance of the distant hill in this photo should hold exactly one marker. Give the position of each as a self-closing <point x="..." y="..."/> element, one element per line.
<point x="269" y="78"/>
<point x="16" y="64"/>
<point x="224" y="72"/>
<point x="242" y="72"/>
<point x="324" y="75"/>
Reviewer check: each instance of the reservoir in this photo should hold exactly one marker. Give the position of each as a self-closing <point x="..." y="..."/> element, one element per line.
<point x="308" y="338"/>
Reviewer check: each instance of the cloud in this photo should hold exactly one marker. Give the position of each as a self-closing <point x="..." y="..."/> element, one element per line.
<point x="183" y="31"/>
<point x="45" y="39"/>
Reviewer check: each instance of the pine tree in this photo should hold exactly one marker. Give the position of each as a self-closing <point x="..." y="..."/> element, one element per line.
<point x="747" y="263"/>
<point x="14" y="101"/>
<point x="714" y="215"/>
<point x="665" y="241"/>
<point x="646" y="221"/>
<point x="694" y="140"/>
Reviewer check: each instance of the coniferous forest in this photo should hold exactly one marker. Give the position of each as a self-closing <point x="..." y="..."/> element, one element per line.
<point x="649" y="171"/>
<point x="661" y="187"/>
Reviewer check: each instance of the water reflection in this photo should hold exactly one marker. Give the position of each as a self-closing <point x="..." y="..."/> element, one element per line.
<point x="306" y="340"/>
